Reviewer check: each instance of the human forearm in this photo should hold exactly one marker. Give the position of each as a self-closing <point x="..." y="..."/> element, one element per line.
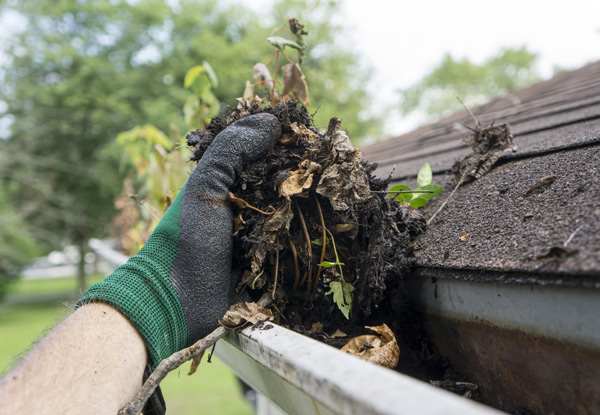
<point x="92" y="363"/>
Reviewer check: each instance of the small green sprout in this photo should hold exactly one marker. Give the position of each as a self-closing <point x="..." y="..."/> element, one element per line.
<point x="343" y="292"/>
<point x="417" y="200"/>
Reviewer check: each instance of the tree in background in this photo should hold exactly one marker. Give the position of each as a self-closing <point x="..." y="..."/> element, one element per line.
<point x="17" y="246"/>
<point x="75" y="74"/>
<point x="436" y="93"/>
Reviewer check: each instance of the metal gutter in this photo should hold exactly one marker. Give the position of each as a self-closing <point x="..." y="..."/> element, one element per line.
<point x="528" y="347"/>
<point x="303" y="376"/>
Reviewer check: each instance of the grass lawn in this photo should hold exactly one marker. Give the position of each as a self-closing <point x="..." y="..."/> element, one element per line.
<point x="213" y="390"/>
<point x="49" y="286"/>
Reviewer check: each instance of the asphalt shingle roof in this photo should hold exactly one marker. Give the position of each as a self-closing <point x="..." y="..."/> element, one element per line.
<point x="551" y="236"/>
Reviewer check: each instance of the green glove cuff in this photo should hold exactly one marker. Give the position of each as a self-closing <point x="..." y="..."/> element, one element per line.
<point x="141" y="290"/>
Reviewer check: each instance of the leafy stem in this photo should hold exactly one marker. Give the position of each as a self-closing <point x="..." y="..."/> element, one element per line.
<point x="421" y="195"/>
<point x="343" y="291"/>
<point x="337" y="262"/>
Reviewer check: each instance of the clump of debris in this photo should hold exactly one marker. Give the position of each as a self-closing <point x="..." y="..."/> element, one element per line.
<point x="311" y="228"/>
<point x="317" y="232"/>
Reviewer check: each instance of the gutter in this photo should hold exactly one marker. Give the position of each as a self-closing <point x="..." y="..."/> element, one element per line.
<point x="299" y="375"/>
<point x="302" y="376"/>
<point x="529" y="347"/>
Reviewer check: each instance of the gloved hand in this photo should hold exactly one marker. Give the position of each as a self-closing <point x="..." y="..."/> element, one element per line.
<point x="178" y="285"/>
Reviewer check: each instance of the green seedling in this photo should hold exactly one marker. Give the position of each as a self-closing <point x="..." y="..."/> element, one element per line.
<point x="421" y="195"/>
<point x="343" y="291"/>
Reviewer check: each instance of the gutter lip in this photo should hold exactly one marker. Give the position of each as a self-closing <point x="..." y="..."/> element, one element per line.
<point x="587" y="280"/>
<point x="337" y="381"/>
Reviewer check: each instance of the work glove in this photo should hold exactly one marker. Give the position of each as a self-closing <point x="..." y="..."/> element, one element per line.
<point x="179" y="284"/>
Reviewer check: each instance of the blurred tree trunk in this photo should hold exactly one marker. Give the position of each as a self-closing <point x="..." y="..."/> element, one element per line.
<point x="81" y="275"/>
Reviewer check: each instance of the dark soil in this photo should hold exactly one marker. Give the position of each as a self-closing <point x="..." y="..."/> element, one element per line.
<point x="373" y="235"/>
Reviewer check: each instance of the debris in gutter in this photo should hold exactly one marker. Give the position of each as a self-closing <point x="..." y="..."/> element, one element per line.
<point x="465" y="389"/>
<point x="488" y="143"/>
<point x="382" y="350"/>
<point x="311" y="200"/>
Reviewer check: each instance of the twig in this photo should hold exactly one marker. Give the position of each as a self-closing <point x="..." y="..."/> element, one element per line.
<point x="322" y="219"/>
<point x="174" y="361"/>
<point x="296" y="266"/>
<point x="468" y="110"/>
<point x="462" y="179"/>
<point x="243" y="204"/>
<point x="276" y="272"/>
<point x="275" y="76"/>
<point x="568" y="241"/>
<point x="166" y="365"/>
<point x="307" y="236"/>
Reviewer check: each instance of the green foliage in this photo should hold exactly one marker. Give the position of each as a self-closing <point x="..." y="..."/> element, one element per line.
<point x="75" y="74"/>
<point x="343" y="291"/>
<point x="202" y="105"/>
<point x="17" y="246"/>
<point x="343" y="295"/>
<point x="294" y="81"/>
<point x="157" y="161"/>
<point x="417" y="200"/>
<point x="436" y="93"/>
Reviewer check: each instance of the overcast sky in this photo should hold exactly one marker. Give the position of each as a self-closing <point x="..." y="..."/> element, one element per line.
<point x="404" y="40"/>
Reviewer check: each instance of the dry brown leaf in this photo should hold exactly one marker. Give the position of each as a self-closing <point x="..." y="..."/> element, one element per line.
<point x="262" y="74"/>
<point x="241" y="314"/>
<point x="279" y="220"/>
<point x="195" y="363"/>
<point x="381" y="349"/>
<point x="316" y="328"/>
<point x="304" y="132"/>
<point x="334" y="184"/>
<point x="296" y="184"/>
<point x="238" y="223"/>
<point x="344" y="227"/>
<point x="338" y="334"/>
<point x="294" y="83"/>
<point x="288" y="139"/>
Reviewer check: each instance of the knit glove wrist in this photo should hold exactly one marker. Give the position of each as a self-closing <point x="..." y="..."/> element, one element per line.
<point x="178" y="285"/>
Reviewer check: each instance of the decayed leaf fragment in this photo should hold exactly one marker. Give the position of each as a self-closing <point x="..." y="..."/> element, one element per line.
<point x="294" y="83"/>
<point x="195" y="363"/>
<point x="296" y="184"/>
<point x="381" y="349"/>
<point x="241" y="314"/>
<point x="304" y="132"/>
<point x="488" y="143"/>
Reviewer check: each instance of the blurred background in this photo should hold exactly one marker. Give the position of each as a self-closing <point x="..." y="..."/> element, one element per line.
<point x="96" y="97"/>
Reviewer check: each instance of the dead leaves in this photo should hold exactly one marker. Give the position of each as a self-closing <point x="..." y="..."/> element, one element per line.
<point x="335" y="184"/>
<point x="381" y="349"/>
<point x="294" y="83"/>
<point x="236" y="317"/>
<point x="488" y="143"/>
<point x="241" y="314"/>
<point x="296" y="184"/>
<point x="300" y="180"/>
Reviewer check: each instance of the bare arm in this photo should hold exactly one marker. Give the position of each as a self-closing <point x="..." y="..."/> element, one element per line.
<point x="92" y="363"/>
